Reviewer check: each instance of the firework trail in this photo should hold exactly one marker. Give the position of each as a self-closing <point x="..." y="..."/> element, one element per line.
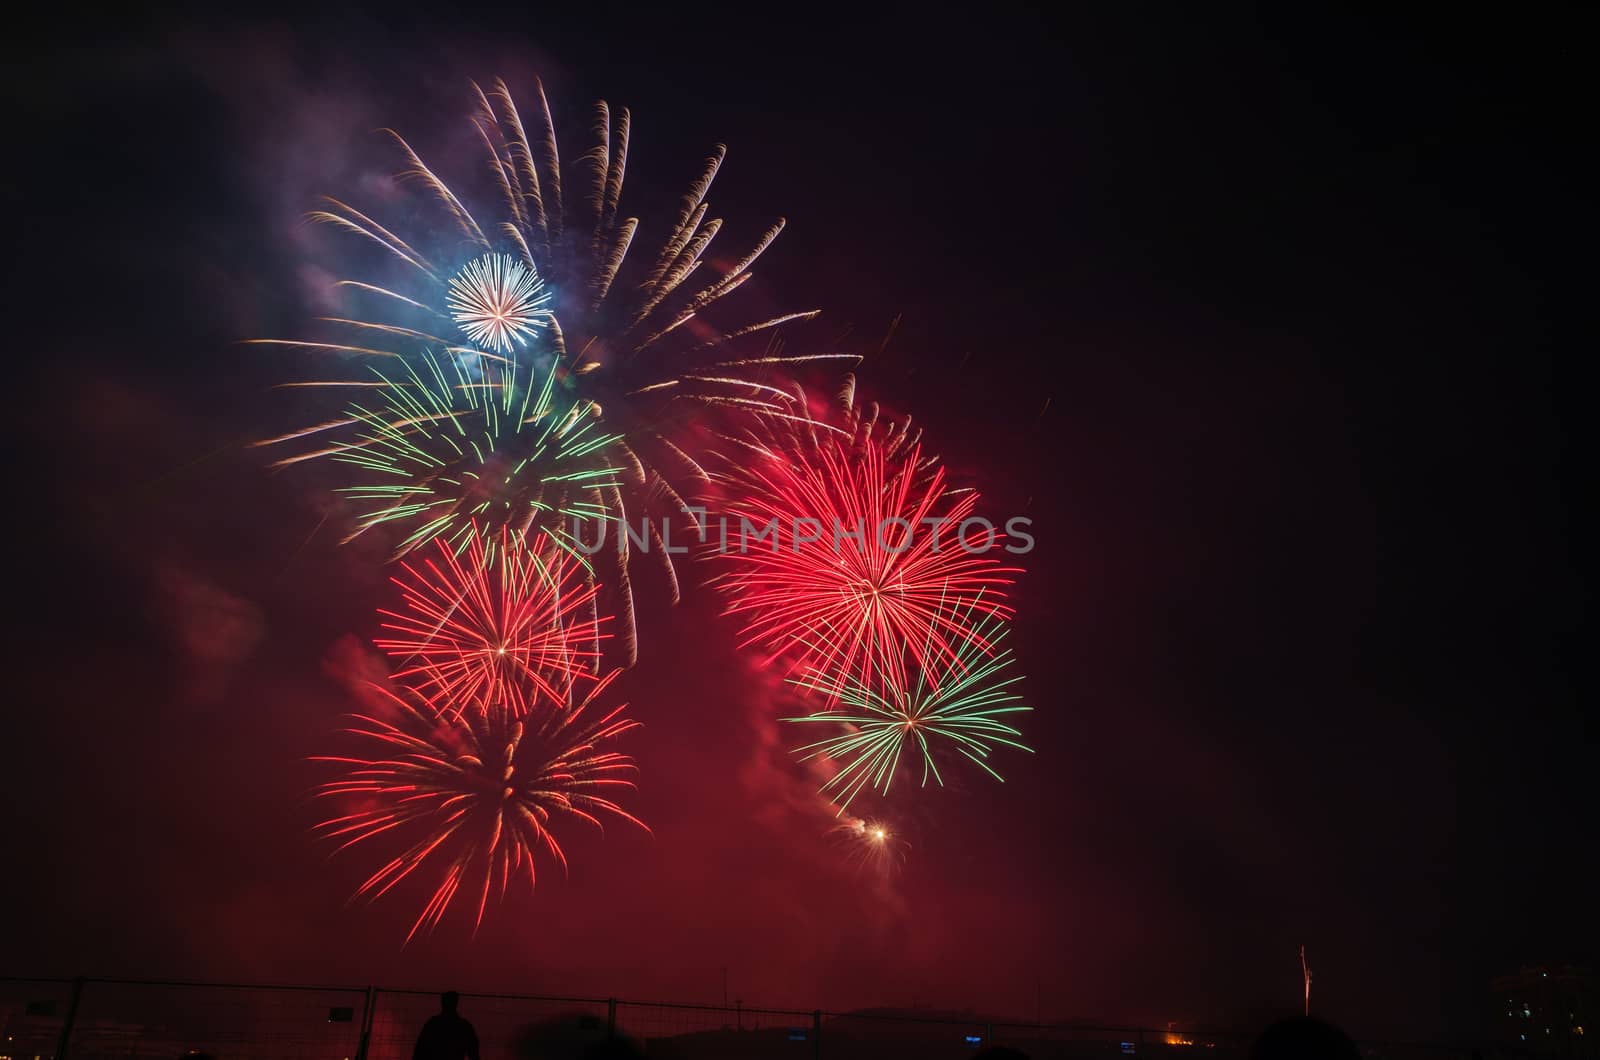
<point x="475" y="798"/>
<point x="845" y="554"/>
<point x="509" y="621"/>
<point x="962" y="712"/>
<point x="538" y="269"/>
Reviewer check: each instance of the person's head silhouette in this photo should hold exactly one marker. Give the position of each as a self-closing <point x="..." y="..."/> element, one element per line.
<point x="448" y="1002"/>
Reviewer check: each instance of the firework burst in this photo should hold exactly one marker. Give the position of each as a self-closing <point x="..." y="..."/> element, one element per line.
<point x="476" y="799"/>
<point x="498" y="301"/>
<point x="846" y="545"/>
<point x="962" y="710"/>
<point x="507" y="622"/>
<point x="449" y="446"/>
<point x="629" y="333"/>
<point x="868" y="843"/>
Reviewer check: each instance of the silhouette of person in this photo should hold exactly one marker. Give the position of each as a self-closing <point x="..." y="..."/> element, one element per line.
<point x="446" y="1036"/>
<point x="1304" y="1038"/>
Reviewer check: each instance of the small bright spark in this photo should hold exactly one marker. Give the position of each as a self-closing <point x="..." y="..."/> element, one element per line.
<point x="497" y="300"/>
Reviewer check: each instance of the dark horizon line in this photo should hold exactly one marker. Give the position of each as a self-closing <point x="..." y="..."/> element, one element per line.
<point x="888" y="1014"/>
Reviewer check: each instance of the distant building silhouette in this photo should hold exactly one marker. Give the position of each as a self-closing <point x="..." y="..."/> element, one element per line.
<point x="1548" y="1009"/>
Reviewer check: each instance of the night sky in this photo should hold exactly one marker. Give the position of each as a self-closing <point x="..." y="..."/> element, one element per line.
<point x="1302" y="626"/>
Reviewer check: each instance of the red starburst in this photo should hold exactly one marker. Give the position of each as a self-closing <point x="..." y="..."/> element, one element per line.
<point x="847" y="556"/>
<point x="475" y="796"/>
<point x="506" y="620"/>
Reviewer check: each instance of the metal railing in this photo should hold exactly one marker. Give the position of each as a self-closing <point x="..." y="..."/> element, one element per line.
<point x="126" y="1019"/>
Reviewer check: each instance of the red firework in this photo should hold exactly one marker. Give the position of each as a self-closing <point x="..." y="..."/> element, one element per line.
<point x="846" y="548"/>
<point x="506" y="621"/>
<point x="475" y="794"/>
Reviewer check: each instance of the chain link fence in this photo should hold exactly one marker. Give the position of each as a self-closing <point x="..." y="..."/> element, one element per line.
<point x="121" y="1019"/>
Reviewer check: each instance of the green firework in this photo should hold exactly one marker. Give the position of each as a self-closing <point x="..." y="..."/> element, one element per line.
<point x="958" y="707"/>
<point x="457" y="445"/>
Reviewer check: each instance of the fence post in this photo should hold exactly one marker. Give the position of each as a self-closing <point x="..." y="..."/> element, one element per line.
<point x="71" y="1017"/>
<point x="367" y="1008"/>
<point x="611" y="1018"/>
<point x="816" y="1032"/>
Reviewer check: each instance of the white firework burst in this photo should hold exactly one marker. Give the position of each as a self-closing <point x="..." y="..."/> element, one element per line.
<point x="497" y="301"/>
